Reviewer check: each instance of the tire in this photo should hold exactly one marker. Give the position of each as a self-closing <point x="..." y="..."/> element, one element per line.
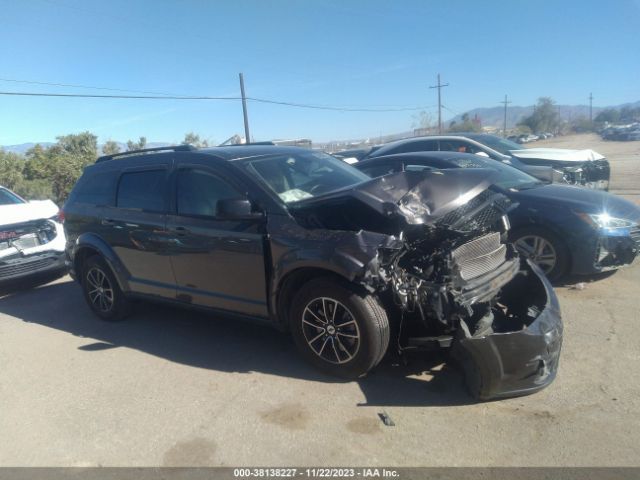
<point x="109" y="303"/>
<point x="350" y="338"/>
<point x="562" y="256"/>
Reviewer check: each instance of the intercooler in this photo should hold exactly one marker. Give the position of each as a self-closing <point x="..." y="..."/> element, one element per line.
<point x="479" y="256"/>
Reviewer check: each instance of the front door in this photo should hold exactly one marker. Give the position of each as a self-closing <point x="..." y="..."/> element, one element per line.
<point x="217" y="262"/>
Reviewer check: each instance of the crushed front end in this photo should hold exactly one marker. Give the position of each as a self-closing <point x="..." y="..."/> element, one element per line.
<point x="440" y="263"/>
<point x="458" y="284"/>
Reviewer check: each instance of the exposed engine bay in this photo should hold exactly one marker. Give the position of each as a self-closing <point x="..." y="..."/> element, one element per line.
<point x="449" y="261"/>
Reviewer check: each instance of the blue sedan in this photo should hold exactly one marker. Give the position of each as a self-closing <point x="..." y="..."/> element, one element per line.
<point x="562" y="228"/>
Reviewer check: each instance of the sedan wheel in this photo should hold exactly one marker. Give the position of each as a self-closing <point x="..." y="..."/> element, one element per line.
<point x="539" y="250"/>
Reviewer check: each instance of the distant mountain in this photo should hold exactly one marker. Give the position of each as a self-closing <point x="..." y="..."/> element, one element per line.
<point x="22" y="148"/>
<point x="494" y="116"/>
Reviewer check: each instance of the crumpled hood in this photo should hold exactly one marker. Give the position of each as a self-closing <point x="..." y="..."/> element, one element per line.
<point x="25" y="212"/>
<point x="581" y="199"/>
<point x="419" y="197"/>
<point x="559" y="154"/>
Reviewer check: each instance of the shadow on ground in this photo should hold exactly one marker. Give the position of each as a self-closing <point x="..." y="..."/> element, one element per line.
<point x="225" y="344"/>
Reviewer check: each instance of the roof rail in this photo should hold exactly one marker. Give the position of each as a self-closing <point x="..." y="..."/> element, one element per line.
<point x="173" y="148"/>
<point x="248" y="144"/>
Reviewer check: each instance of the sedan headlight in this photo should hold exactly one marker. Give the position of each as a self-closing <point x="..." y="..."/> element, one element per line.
<point x="605" y="221"/>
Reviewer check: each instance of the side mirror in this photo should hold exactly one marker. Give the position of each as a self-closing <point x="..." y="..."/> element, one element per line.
<point x="236" y="208"/>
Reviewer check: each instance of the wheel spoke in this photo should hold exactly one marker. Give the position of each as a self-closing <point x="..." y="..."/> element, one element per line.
<point x="324" y="344"/>
<point x="347" y="335"/>
<point x="322" y="322"/>
<point x="335" y="350"/>
<point x="315" y="338"/>
<point x="344" y="349"/>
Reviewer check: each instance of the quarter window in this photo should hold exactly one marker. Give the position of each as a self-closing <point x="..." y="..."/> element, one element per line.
<point x="142" y="190"/>
<point x="199" y="192"/>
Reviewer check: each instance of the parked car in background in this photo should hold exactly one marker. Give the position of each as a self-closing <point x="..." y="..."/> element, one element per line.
<point x="303" y="241"/>
<point x="577" y="167"/>
<point x="32" y="239"/>
<point x="562" y="228"/>
<point x="354" y="155"/>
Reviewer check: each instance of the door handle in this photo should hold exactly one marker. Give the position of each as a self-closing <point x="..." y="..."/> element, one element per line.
<point x="108" y="221"/>
<point x="181" y="231"/>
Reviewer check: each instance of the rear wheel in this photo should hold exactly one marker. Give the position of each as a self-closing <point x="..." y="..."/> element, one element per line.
<point x="337" y="329"/>
<point x="543" y="248"/>
<point x="101" y="290"/>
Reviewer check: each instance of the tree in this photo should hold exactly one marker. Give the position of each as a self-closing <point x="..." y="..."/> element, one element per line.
<point x="139" y="145"/>
<point x="544" y="118"/>
<point x="610" y="115"/>
<point x="422" y="122"/>
<point x="466" y="124"/>
<point x="110" y="148"/>
<point x="11" y="166"/>
<point x="194" y="139"/>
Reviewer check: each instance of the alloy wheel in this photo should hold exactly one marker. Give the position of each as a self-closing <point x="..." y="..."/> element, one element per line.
<point x="539" y="250"/>
<point x="99" y="290"/>
<point x="330" y="330"/>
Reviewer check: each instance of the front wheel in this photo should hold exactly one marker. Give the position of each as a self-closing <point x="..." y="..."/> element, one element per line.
<point x="337" y="329"/>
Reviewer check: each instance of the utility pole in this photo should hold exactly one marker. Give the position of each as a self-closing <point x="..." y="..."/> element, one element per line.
<point x="439" y="86"/>
<point x="505" y="102"/>
<point x="591" y="108"/>
<point x="244" y="111"/>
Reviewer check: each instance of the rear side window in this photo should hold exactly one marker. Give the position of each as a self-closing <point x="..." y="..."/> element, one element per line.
<point x="8" y="198"/>
<point x="419" y="146"/>
<point x="142" y="190"/>
<point x="458" y="146"/>
<point x="199" y="191"/>
<point x="97" y="188"/>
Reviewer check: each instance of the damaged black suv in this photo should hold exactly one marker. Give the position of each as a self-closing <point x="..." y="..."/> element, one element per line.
<point x="307" y="243"/>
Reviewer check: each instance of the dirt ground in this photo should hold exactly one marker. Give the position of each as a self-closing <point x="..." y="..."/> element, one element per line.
<point x="175" y="388"/>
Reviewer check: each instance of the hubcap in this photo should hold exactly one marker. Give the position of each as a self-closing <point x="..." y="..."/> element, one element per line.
<point x="539" y="250"/>
<point x="99" y="290"/>
<point x="330" y="330"/>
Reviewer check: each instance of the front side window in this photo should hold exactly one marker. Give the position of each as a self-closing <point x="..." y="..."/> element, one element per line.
<point x="142" y="190"/>
<point x="303" y="175"/>
<point x="199" y="191"/>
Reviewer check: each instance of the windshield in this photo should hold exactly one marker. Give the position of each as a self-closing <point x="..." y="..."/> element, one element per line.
<point x="9" y="198"/>
<point x="501" y="145"/>
<point x="303" y="175"/>
<point x="507" y="177"/>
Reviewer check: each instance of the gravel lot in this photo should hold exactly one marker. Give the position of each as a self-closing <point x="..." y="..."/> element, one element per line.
<point x="169" y="387"/>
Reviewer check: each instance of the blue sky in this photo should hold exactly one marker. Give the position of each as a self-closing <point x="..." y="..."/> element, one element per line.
<point x="342" y="52"/>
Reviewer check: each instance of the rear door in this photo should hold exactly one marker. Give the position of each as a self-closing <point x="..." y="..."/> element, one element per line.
<point x="218" y="262"/>
<point x="137" y="229"/>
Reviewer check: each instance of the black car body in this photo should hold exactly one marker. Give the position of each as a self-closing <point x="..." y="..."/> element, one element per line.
<point x="583" y="168"/>
<point x="306" y="243"/>
<point x="32" y="242"/>
<point x="592" y="230"/>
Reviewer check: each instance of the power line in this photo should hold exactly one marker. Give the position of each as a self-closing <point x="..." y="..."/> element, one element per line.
<point x="72" y="85"/>
<point x="204" y="97"/>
